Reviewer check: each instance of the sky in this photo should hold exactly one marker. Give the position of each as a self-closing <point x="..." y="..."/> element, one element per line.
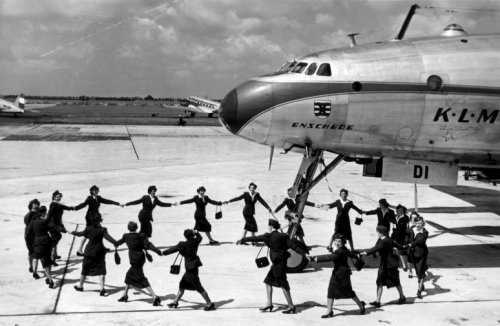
<point x="194" y="47"/>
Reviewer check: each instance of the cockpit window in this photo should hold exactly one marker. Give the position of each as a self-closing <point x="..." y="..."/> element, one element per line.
<point x="286" y="67"/>
<point x="311" y="69"/>
<point x="299" y="68"/>
<point x="324" y="70"/>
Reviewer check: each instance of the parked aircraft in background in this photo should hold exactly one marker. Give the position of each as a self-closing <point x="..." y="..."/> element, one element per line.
<point x="196" y="105"/>
<point x="19" y="106"/>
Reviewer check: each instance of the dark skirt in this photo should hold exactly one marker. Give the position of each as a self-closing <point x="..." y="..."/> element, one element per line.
<point x="56" y="236"/>
<point x="202" y="224"/>
<point x="191" y="281"/>
<point x="146" y="227"/>
<point x="388" y="277"/>
<point x="30" y="244"/>
<point x="340" y="285"/>
<point x="43" y="253"/>
<point x="277" y="274"/>
<point x="250" y="223"/>
<point x="344" y="228"/>
<point x="135" y="277"/>
<point x="93" y="266"/>
<point x="420" y="264"/>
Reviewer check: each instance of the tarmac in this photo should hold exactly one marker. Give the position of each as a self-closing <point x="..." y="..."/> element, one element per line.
<point x="462" y="286"/>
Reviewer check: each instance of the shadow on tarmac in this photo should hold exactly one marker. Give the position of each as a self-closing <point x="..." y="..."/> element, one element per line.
<point x="484" y="200"/>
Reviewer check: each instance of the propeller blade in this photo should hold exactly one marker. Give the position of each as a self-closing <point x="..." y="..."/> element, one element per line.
<point x="271" y="157"/>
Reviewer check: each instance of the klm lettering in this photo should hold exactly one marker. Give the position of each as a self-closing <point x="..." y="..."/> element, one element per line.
<point x="465" y="116"/>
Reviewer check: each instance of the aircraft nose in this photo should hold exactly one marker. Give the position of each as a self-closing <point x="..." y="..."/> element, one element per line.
<point x="228" y="111"/>
<point x="244" y="103"/>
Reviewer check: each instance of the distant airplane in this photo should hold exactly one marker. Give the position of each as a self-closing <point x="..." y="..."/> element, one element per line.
<point x="484" y="175"/>
<point x="19" y="106"/>
<point x="195" y="105"/>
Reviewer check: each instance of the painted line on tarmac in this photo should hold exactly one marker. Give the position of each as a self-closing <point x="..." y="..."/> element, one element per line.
<point x="132" y="142"/>
<point x="64" y="273"/>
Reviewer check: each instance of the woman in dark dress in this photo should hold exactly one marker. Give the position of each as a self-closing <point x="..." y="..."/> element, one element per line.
<point x="413" y="216"/>
<point x="94" y="263"/>
<point x="200" y="215"/>
<point x="40" y="229"/>
<point x="340" y="282"/>
<point x="190" y="280"/>
<point x="93" y="202"/>
<point x="28" y="238"/>
<point x="342" y="221"/>
<point x="137" y="243"/>
<point x="149" y="202"/>
<point x="388" y="273"/>
<point x="56" y="210"/>
<point x="400" y="234"/>
<point x="291" y="206"/>
<point x="278" y="243"/>
<point x="251" y="197"/>
<point x="419" y="252"/>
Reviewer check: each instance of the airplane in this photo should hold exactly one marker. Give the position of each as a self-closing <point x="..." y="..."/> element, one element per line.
<point x="196" y="105"/>
<point x="413" y="110"/>
<point x="483" y="175"/>
<point x="19" y="106"/>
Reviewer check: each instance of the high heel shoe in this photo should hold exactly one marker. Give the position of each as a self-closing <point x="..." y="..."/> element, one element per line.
<point x="173" y="305"/>
<point x="47" y="281"/>
<point x="363" y="308"/>
<point x="376" y="304"/>
<point x="290" y="310"/>
<point x="36" y="276"/>
<point x="79" y="288"/>
<point x="102" y="293"/>
<point x="157" y="301"/>
<point x="266" y="308"/>
<point x="328" y="315"/>
<point x="51" y="285"/>
<point x="419" y="294"/>
<point x="31" y="269"/>
<point x="123" y="299"/>
<point x="79" y="253"/>
<point x="210" y="307"/>
<point x="402" y="300"/>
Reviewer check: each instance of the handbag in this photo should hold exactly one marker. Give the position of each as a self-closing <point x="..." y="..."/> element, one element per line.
<point x="358" y="220"/>
<point x="262" y="261"/>
<point x="359" y="264"/>
<point x="176" y="269"/>
<point x="218" y="212"/>
<point x="118" y="260"/>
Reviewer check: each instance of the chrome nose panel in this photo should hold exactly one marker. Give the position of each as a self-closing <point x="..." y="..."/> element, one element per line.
<point x="244" y="103"/>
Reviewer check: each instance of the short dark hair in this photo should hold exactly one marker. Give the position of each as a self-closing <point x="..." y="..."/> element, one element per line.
<point x="151" y="188"/>
<point x="252" y="184"/>
<point x="341" y="237"/>
<point x="42" y="210"/>
<point x="55" y="194"/>
<point x="344" y="190"/>
<point x="188" y="234"/>
<point x="401" y="207"/>
<point x="94" y="187"/>
<point x="132" y="226"/>
<point x="32" y="203"/>
<point x="382" y="229"/>
<point x="201" y="189"/>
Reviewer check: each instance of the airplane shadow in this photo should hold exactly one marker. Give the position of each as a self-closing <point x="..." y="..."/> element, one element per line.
<point x="482" y="230"/>
<point x="484" y="200"/>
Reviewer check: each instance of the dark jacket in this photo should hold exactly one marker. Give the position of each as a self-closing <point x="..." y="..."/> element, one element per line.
<point x="30" y="216"/>
<point x="249" y="209"/>
<point x="56" y="210"/>
<point x="189" y="250"/>
<point x="400" y="231"/>
<point x="146" y="213"/>
<point x="136" y="243"/>
<point x="340" y="261"/>
<point x="418" y="245"/>
<point x="93" y="203"/>
<point x="95" y="234"/>
<point x="39" y="230"/>
<point x="201" y="203"/>
<point x="291" y="204"/>
<point x="383" y="219"/>
<point x="278" y="244"/>
<point x="385" y="247"/>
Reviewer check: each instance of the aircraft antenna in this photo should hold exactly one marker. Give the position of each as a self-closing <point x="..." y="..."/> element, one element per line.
<point x="352" y="38"/>
<point x="407" y="21"/>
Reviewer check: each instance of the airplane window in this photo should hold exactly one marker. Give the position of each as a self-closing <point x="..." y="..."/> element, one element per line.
<point x="299" y="68"/>
<point x="312" y="69"/>
<point x="324" y="70"/>
<point x="286" y="67"/>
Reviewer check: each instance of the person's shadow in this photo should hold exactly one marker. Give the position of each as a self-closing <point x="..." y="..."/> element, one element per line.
<point x="437" y="289"/>
<point x="200" y="305"/>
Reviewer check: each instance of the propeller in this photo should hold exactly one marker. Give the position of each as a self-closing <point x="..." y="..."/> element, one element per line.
<point x="271" y="157"/>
